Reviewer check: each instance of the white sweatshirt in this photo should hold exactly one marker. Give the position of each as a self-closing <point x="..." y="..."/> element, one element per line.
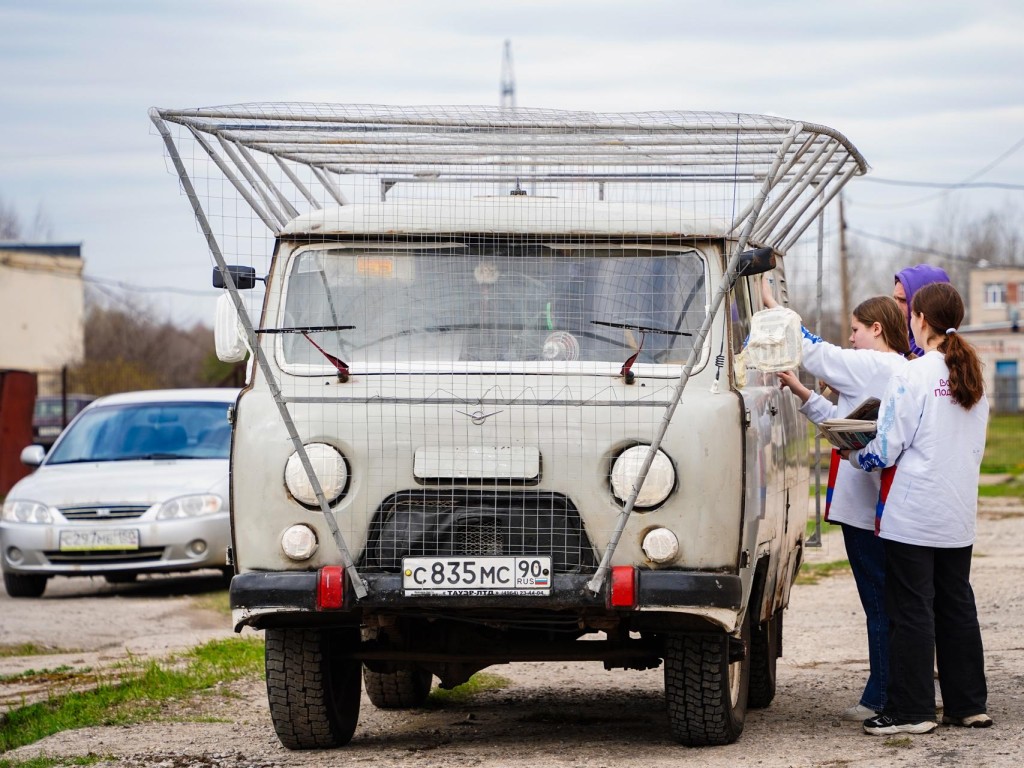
<point x="856" y="374"/>
<point x="933" y="499"/>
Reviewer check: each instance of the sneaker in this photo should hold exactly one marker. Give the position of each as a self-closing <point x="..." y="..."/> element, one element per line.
<point x="972" y="721"/>
<point x="885" y="725"/>
<point x="858" y="713"/>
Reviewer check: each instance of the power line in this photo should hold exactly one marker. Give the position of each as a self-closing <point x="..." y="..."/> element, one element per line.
<point x="50" y="272"/>
<point x="916" y="248"/>
<point x="946" y="185"/>
<point x="151" y="289"/>
<point x="964" y="184"/>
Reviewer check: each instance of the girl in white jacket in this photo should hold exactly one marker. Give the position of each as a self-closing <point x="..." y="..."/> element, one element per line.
<point x="931" y="428"/>
<point x="879" y="340"/>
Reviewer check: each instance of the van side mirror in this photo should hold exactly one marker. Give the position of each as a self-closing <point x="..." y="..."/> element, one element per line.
<point x="244" y="277"/>
<point x="756" y="262"/>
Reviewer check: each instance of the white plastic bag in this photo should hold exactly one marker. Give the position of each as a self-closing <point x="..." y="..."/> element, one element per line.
<point x="775" y="342"/>
<point x="228" y="332"/>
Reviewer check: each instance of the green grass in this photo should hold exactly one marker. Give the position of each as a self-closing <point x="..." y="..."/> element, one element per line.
<point x="63" y="672"/>
<point x="825" y="528"/>
<point x="215" y="601"/>
<point x="31" y="649"/>
<point x="50" y="762"/>
<point x="134" y="692"/>
<point x="1014" y="489"/>
<point x="812" y="573"/>
<point x="460" y="694"/>
<point x="1004" y="448"/>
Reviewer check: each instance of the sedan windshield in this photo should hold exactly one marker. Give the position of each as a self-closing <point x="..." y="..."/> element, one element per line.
<point x="503" y="302"/>
<point x="147" y="431"/>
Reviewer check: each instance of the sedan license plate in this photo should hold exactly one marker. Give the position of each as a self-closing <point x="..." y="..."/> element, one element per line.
<point x="93" y="541"/>
<point x="476" y="576"/>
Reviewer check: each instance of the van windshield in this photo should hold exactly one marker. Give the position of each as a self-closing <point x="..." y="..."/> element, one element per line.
<point x="501" y="303"/>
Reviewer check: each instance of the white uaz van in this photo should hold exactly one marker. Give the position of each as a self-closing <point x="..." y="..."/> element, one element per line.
<point x="479" y="428"/>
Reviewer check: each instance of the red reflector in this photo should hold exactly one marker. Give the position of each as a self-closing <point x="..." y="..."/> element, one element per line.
<point x="623" y="586"/>
<point x="330" y="592"/>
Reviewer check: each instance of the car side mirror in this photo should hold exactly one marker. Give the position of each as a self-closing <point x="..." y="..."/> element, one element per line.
<point x="243" y="277"/>
<point x="756" y="262"/>
<point x="33" y="455"/>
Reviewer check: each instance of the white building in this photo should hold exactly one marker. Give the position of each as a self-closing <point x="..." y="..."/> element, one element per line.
<point x="995" y="303"/>
<point x="41" y="306"/>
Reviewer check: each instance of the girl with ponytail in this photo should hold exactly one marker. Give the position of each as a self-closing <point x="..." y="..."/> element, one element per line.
<point x="931" y="438"/>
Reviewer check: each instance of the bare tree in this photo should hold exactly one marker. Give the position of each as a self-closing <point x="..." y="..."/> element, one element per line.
<point x="127" y="347"/>
<point x="11" y="227"/>
<point x="10" y="224"/>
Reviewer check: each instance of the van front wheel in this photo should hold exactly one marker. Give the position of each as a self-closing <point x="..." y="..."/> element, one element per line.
<point x="705" y="692"/>
<point x="313" y="686"/>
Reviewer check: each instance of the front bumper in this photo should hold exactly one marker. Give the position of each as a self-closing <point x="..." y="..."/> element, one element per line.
<point x="267" y="598"/>
<point x="164" y="546"/>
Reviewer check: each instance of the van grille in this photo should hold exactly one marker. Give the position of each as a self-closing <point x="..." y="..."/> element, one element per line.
<point x="460" y="522"/>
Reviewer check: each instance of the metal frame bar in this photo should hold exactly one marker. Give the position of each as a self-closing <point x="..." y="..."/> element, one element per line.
<point x="728" y="278"/>
<point x="357" y="583"/>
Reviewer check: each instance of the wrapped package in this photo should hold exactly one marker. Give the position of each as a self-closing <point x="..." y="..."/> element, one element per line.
<point x="775" y="342"/>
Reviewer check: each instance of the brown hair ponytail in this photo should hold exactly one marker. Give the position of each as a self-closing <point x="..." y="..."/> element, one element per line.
<point x="943" y="311"/>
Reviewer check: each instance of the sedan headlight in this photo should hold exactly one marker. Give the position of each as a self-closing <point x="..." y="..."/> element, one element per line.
<point x="184" y="507"/>
<point x="330" y="469"/>
<point x="660" y="480"/>
<point x="24" y="511"/>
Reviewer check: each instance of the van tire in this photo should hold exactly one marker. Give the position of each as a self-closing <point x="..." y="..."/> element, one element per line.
<point x="25" y="585"/>
<point x="765" y="649"/>
<point x="313" y="686"/>
<point x="407" y="687"/>
<point x="705" y="694"/>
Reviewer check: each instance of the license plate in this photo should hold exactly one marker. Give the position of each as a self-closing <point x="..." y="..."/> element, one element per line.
<point x="91" y="541"/>
<point x="476" y="576"/>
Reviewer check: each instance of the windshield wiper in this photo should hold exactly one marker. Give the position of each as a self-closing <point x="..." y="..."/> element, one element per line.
<point x="304" y="329"/>
<point x="626" y="371"/>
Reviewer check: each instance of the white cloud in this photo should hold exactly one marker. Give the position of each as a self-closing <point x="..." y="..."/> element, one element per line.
<point x="927" y="90"/>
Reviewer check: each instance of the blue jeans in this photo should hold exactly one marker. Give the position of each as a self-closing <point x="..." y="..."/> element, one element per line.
<point x="866" y="553"/>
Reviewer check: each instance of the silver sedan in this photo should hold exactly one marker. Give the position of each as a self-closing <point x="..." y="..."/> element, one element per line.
<point x="137" y="483"/>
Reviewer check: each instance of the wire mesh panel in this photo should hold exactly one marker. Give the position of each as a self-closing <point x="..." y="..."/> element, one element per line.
<point x="475" y="314"/>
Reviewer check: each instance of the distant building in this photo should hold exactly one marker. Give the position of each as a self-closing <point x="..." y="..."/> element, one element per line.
<point x="41" y="306"/>
<point x="995" y="302"/>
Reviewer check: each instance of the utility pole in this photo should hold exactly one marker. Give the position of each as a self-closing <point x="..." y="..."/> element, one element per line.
<point x="844" y="278"/>
<point x="508" y="79"/>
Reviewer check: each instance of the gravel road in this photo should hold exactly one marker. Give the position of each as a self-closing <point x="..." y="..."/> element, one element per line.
<point x="550" y="714"/>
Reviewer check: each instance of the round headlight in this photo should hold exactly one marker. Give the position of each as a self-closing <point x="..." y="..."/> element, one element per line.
<point x="660" y="545"/>
<point x="660" y="480"/>
<point x="328" y="466"/>
<point x="299" y="542"/>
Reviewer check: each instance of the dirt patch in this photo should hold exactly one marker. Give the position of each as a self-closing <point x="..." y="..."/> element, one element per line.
<point x="562" y="714"/>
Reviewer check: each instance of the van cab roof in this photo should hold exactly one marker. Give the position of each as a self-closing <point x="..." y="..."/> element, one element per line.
<point x="518" y="214"/>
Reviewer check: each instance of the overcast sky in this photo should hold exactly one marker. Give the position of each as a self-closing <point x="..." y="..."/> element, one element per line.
<point x="928" y="90"/>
